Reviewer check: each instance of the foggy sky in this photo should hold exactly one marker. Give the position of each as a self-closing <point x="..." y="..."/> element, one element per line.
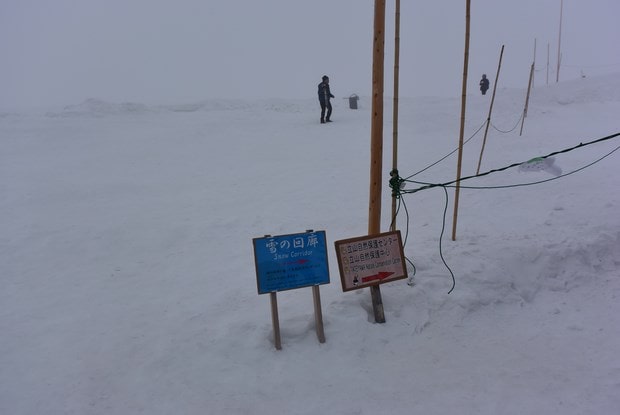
<point x="154" y="51"/>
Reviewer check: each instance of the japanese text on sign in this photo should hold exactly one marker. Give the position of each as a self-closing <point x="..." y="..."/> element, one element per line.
<point x="370" y="260"/>
<point x="290" y="261"/>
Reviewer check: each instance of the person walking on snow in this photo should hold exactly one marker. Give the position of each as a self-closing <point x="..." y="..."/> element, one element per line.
<point x="324" y="96"/>
<point x="484" y="84"/>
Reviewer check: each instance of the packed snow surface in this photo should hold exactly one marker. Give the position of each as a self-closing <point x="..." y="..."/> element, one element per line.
<point x="128" y="283"/>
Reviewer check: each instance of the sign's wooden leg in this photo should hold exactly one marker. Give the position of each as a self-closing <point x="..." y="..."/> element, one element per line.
<point x="318" y="314"/>
<point x="275" y="320"/>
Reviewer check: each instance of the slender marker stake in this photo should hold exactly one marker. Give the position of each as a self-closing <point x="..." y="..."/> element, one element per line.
<point x="463" y="103"/>
<point x="547" y="63"/>
<point x="534" y="63"/>
<point x="275" y="321"/>
<point x="486" y="130"/>
<point x="527" y="98"/>
<point x="395" y="110"/>
<point x="557" y="74"/>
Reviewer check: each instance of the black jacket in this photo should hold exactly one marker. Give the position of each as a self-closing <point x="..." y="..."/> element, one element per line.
<point x="324" y="92"/>
<point x="484" y="84"/>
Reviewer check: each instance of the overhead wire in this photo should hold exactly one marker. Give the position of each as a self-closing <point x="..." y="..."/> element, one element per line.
<point x="512" y="129"/>
<point x="397" y="183"/>
<point x="452" y="182"/>
<point x="449" y="154"/>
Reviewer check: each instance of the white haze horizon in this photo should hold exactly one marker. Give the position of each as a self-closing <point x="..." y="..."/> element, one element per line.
<point x="161" y="52"/>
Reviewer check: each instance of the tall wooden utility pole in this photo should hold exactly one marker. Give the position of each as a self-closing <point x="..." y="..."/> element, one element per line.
<point x="557" y="73"/>
<point x="376" y="143"/>
<point x="395" y="110"/>
<point x="463" y="102"/>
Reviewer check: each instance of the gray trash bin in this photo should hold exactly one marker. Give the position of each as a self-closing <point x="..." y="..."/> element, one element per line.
<point x="353" y="101"/>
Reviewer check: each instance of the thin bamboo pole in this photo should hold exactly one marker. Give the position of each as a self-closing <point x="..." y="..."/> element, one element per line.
<point x="534" y="61"/>
<point x="557" y="74"/>
<point x="527" y="99"/>
<point x="395" y="109"/>
<point x="547" y="63"/>
<point x="376" y="142"/>
<point x="463" y="104"/>
<point x="486" y="130"/>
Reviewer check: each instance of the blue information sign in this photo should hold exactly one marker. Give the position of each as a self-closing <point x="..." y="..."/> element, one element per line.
<point x="285" y="262"/>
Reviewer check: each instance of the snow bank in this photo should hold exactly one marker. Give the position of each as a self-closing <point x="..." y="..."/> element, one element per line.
<point x="127" y="281"/>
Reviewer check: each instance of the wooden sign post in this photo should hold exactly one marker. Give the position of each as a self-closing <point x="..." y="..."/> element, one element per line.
<point x="318" y="315"/>
<point x="275" y="321"/>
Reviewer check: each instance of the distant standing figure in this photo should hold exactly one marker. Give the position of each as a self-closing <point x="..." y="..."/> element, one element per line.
<point x="324" y="96"/>
<point x="484" y="84"/>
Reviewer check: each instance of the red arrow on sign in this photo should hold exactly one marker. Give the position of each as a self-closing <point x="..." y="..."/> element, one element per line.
<point x="380" y="276"/>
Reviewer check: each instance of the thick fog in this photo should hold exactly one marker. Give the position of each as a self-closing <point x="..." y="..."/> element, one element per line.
<point x="156" y="51"/>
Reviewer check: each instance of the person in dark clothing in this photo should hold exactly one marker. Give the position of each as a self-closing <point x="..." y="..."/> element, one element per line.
<point x="324" y="96"/>
<point x="484" y="84"/>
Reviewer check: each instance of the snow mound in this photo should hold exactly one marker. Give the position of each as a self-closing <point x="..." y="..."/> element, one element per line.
<point x="540" y="164"/>
<point x="209" y="105"/>
<point x="128" y="281"/>
<point x="604" y="88"/>
<point x="272" y="104"/>
<point x="97" y="108"/>
<point x="555" y="266"/>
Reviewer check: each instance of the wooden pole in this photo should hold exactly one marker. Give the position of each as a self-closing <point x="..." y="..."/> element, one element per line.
<point x="534" y="61"/>
<point x="557" y="73"/>
<point x="486" y="130"/>
<point x="547" y="63"/>
<point x="463" y="103"/>
<point x="395" y="109"/>
<point x="275" y="320"/>
<point x="318" y="313"/>
<point x="527" y="98"/>
<point x="376" y="142"/>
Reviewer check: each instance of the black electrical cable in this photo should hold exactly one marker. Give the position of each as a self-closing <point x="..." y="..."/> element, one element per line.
<point x="443" y="228"/>
<point x="452" y="182"/>
<point x="402" y="202"/>
<point x="396" y="183"/>
<point x="447" y="155"/>
<point x="512" y="129"/>
<point x="539" y="181"/>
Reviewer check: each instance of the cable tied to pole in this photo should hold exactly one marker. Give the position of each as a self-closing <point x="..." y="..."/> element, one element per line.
<point x="397" y="183"/>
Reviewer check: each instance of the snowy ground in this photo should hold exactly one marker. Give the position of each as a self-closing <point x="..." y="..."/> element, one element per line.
<point x="127" y="280"/>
